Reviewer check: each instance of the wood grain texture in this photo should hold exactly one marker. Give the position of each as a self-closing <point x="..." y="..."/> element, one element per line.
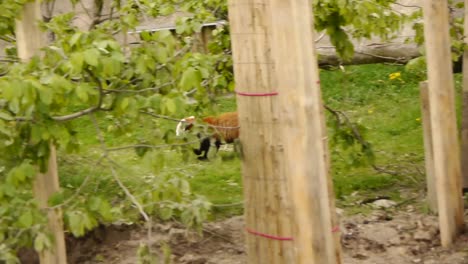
<point x="464" y="123"/>
<point x="428" y="147"/>
<point x="303" y="123"/>
<point x="29" y="41"/>
<point x="267" y="206"/>
<point x="443" y="120"/>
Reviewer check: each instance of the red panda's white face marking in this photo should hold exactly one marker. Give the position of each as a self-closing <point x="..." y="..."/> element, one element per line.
<point x="184" y="124"/>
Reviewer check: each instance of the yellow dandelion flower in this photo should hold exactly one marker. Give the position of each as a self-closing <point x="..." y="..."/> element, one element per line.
<point x="370" y="111"/>
<point x="394" y="75"/>
<point x="418" y="119"/>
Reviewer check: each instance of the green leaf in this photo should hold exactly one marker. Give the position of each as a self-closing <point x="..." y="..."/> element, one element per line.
<point x="75" y="38"/>
<point x="77" y="61"/>
<point x="26" y="219"/>
<point x="155" y="101"/>
<point x="187" y="217"/>
<point x="41" y="242"/>
<point x="170" y="105"/>
<point x="141" y="151"/>
<point x="14" y="105"/>
<point x="6" y="116"/>
<point x="45" y="94"/>
<point x="166" y="213"/>
<point x="190" y="78"/>
<point x="75" y="223"/>
<point x="82" y="92"/>
<point x="105" y="210"/>
<point x="35" y="135"/>
<point x="56" y="198"/>
<point x="94" y="203"/>
<point x="91" y="57"/>
<point x="124" y="104"/>
<point x="162" y="54"/>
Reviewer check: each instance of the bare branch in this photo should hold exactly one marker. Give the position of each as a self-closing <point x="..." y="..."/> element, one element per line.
<point x="179" y="120"/>
<point x="382" y="57"/>
<point x="114" y="172"/>
<point x="8" y="60"/>
<point x="411" y="6"/>
<point x="320" y="38"/>
<point x="75" y="115"/>
<point x="140" y="91"/>
<point x="355" y="131"/>
<point x="152" y="146"/>
<point x="89" y="110"/>
<point x="7" y="38"/>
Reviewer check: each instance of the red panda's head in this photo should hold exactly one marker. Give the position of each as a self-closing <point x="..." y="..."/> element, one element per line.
<point x="184" y="125"/>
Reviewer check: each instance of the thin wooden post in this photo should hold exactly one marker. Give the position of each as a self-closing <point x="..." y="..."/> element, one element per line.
<point x="30" y="39"/>
<point x="267" y="210"/>
<point x="443" y="120"/>
<point x="428" y="147"/>
<point x="464" y="123"/>
<point x="302" y="121"/>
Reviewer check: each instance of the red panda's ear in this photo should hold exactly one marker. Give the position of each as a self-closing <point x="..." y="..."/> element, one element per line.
<point x="190" y="119"/>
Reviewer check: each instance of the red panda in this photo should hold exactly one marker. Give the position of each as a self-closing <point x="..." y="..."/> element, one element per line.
<point x="225" y="126"/>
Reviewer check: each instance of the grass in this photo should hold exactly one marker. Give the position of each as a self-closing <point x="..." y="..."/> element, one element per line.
<point x="388" y="109"/>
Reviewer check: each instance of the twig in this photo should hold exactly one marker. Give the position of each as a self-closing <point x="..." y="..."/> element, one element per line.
<point x="152" y="146"/>
<point x="7" y="38"/>
<point x="381" y="57"/>
<point x="320" y="38"/>
<point x="72" y="197"/>
<point x="411" y="6"/>
<point x="384" y="170"/>
<point x="75" y="115"/>
<point x="355" y="131"/>
<point x="127" y="192"/>
<point x="140" y="91"/>
<point x="179" y="120"/>
<point x="114" y="173"/>
<point x="8" y="60"/>
<point x="227" y="205"/>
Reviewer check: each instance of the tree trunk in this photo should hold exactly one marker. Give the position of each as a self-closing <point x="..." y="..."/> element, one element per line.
<point x="29" y="40"/>
<point x="443" y="120"/>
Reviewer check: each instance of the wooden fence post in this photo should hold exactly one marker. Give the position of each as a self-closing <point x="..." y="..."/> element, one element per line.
<point x="446" y="147"/>
<point x="464" y="123"/>
<point x="428" y="147"/>
<point x="302" y="121"/>
<point x="267" y="209"/>
<point x="30" y="39"/>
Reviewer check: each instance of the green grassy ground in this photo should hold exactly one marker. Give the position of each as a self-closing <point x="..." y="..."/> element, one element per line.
<point x="388" y="108"/>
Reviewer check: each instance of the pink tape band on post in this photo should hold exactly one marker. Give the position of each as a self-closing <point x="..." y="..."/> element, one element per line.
<point x="269" y="236"/>
<point x="336" y="229"/>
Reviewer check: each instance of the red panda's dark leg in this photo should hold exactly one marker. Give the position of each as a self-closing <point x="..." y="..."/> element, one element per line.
<point x="204" y="148"/>
<point x="217" y="144"/>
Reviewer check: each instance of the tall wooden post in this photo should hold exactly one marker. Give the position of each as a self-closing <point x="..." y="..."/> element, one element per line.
<point x="29" y="40"/>
<point x="428" y="147"/>
<point x="464" y="123"/>
<point x="302" y="122"/>
<point x="443" y="120"/>
<point x="267" y="210"/>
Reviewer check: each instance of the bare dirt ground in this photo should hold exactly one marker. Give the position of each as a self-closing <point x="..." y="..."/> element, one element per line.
<point x="382" y="237"/>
